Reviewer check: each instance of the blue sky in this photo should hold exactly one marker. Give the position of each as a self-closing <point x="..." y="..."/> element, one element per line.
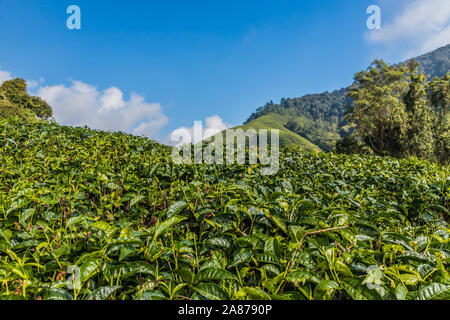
<point x="165" y="64"/>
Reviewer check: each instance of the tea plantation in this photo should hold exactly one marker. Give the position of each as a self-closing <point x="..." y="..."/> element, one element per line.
<point x="95" y="215"/>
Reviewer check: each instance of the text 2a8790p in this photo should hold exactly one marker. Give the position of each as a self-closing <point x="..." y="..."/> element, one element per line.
<point x="246" y="309"/>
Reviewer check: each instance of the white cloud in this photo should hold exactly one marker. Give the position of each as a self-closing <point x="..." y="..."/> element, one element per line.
<point x="214" y="125"/>
<point x="423" y="25"/>
<point x="184" y="135"/>
<point x="4" y="75"/>
<point x="32" y="84"/>
<point x="82" y="104"/>
<point x="112" y="99"/>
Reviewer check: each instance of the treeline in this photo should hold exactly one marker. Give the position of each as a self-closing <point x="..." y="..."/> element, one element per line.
<point x="325" y="106"/>
<point x="398" y="111"/>
<point x="16" y="102"/>
<point x="322" y="133"/>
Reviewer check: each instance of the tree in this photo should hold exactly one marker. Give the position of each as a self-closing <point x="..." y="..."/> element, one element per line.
<point x="15" y="101"/>
<point x="418" y="139"/>
<point x="438" y="92"/>
<point x="377" y="112"/>
<point x="397" y="112"/>
<point x="349" y="145"/>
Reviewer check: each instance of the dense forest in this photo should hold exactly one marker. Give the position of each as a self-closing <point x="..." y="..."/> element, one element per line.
<point x="396" y="111"/>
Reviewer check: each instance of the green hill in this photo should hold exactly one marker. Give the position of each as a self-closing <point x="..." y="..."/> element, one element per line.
<point x="92" y="215"/>
<point x="287" y="137"/>
<point x="319" y="118"/>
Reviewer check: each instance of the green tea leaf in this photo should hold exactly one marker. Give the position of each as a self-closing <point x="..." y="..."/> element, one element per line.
<point x="211" y="291"/>
<point x="214" y="274"/>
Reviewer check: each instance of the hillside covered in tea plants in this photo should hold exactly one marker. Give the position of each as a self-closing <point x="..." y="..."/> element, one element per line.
<point x="94" y="215"/>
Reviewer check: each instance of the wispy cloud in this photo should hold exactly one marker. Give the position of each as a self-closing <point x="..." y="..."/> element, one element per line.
<point x="4" y="75"/>
<point x="31" y="84"/>
<point x="422" y="26"/>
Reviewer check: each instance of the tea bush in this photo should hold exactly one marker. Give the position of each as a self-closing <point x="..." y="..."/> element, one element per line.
<point x="96" y="215"/>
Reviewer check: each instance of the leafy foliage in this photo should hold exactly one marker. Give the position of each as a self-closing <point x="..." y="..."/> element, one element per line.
<point x="438" y="91"/>
<point x="15" y="102"/>
<point x="397" y="112"/>
<point x="94" y="215"/>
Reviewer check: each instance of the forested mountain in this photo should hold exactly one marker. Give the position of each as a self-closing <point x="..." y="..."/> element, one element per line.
<point x="435" y="63"/>
<point x="319" y="118"/>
